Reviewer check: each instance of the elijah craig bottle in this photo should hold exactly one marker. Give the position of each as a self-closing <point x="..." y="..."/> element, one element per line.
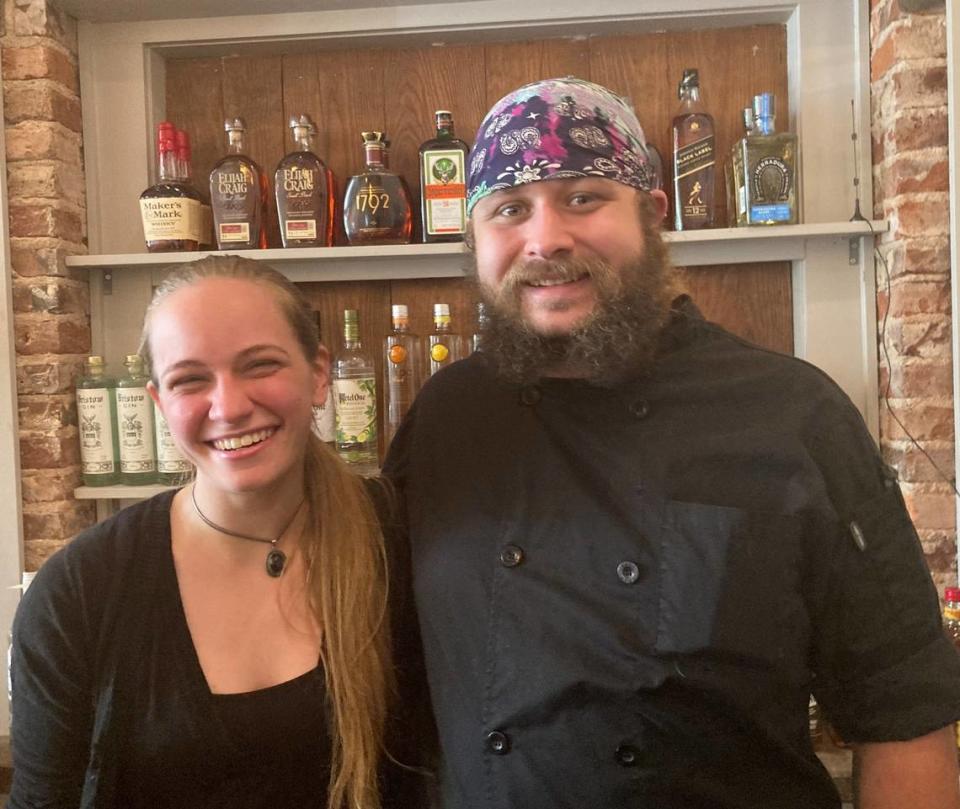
<point x="238" y="191"/>
<point x="305" y="203"/>
<point x="694" y="158"/>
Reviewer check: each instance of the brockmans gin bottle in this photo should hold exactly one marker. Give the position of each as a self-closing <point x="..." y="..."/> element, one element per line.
<point x="693" y="158"/>
<point x="443" y="190"/>
<point x="305" y="201"/>
<point x="376" y="205"/>
<point x="97" y="413"/>
<point x="238" y="192"/>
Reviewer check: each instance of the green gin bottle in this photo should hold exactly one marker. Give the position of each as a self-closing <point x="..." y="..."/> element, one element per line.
<point x="172" y="468"/>
<point x="97" y="416"/>
<point x="138" y="454"/>
<point x="355" y="400"/>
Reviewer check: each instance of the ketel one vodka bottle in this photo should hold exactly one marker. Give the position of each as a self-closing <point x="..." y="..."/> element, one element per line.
<point x="445" y="346"/>
<point x="355" y="400"/>
<point x="443" y="190"/>
<point x="376" y="204"/>
<point x="305" y="203"/>
<point x="170" y="209"/>
<point x="238" y="191"/>
<point x="694" y="158"/>
<point x="324" y="416"/>
<point x="401" y="350"/>
<point x="172" y="468"/>
<point x="97" y="413"/>
<point x="138" y="454"/>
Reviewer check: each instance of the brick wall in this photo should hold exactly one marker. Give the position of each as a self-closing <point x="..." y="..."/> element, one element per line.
<point x="51" y="304"/>
<point x="910" y="158"/>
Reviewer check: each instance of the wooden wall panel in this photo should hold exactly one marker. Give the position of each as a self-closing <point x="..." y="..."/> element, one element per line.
<point x="195" y="104"/>
<point x="510" y="65"/>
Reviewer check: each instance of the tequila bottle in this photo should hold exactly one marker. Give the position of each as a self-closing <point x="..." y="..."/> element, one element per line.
<point x="376" y="205"/>
<point x="443" y="190"/>
<point x="355" y="400"/>
<point x="172" y="468"/>
<point x="445" y="345"/>
<point x="138" y="454"/>
<point x="170" y="209"/>
<point x="97" y="414"/>
<point x="765" y="168"/>
<point x="302" y="185"/>
<point x="239" y="191"/>
<point x="694" y="158"/>
<point x="401" y="349"/>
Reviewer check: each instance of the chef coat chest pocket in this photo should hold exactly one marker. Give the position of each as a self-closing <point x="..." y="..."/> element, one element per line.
<point x="729" y="581"/>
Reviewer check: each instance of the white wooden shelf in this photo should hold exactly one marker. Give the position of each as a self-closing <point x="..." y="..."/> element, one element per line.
<point x="120" y="492"/>
<point x="394" y="262"/>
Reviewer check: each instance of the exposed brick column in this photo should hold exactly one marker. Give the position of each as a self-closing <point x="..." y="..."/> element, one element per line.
<point x="909" y="100"/>
<point x="51" y="303"/>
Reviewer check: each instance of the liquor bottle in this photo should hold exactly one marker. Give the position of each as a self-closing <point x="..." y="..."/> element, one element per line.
<point x="138" y="454"/>
<point x="97" y="413"/>
<point x="304" y="199"/>
<point x="239" y="192"/>
<point x="170" y="209"/>
<point x="445" y="345"/>
<point x="355" y="400"/>
<point x="185" y="175"/>
<point x="476" y="341"/>
<point x="951" y="626"/>
<point x="172" y="468"/>
<point x="376" y="205"/>
<point x="443" y="190"/>
<point x="694" y="158"/>
<point x="401" y="350"/>
<point x="765" y="170"/>
<point x="324" y="418"/>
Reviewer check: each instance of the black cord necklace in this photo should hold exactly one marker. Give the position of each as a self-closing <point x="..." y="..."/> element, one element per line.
<point x="276" y="558"/>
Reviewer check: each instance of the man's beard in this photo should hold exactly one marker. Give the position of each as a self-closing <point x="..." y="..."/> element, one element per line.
<point x="618" y="339"/>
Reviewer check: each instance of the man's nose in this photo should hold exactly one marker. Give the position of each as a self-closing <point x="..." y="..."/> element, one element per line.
<point x="229" y="401"/>
<point x="549" y="234"/>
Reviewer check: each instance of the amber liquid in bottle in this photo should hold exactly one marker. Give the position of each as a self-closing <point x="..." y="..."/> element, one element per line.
<point x="443" y="190"/>
<point x="694" y="158"/>
<point x="170" y="209"/>
<point x="302" y="187"/>
<point x="376" y="205"/>
<point x="238" y="192"/>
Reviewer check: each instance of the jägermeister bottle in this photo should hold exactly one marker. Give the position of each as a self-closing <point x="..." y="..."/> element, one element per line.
<point x="138" y="454"/>
<point x="355" y="400"/>
<point x="97" y="414"/>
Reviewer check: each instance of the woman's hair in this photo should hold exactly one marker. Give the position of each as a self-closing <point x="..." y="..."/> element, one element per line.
<point x="345" y="559"/>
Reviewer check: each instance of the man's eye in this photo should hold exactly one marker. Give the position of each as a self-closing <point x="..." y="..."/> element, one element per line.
<point x="509" y="210"/>
<point x="582" y="198"/>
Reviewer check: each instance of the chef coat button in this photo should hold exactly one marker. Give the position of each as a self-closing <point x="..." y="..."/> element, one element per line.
<point x="511" y="555"/>
<point x="498" y="743"/>
<point x="640" y="408"/>
<point x="628" y="572"/>
<point x="627" y="756"/>
<point x="529" y="395"/>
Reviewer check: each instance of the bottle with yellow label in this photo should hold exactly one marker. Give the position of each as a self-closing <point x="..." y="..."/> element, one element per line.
<point x="445" y="345"/>
<point x="401" y="352"/>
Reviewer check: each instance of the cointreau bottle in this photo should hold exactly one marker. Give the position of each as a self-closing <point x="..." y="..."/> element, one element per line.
<point x="238" y="191"/>
<point x="443" y="190"/>
<point x="376" y="205"/>
<point x="302" y="186"/>
<point x="170" y="209"/>
<point x="694" y="158"/>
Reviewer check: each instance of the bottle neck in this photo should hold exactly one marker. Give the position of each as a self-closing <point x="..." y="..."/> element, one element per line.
<point x="235" y="143"/>
<point x="401" y="327"/>
<point x="765" y="125"/>
<point x="168" y="165"/>
<point x="441" y="326"/>
<point x="302" y="139"/>
<point x="691" y="94"/>
<point x="445" y="132"/>
<point x="373" y="154"/>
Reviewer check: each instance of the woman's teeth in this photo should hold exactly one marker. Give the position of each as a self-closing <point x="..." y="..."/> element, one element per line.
<point x="240" y="441"/>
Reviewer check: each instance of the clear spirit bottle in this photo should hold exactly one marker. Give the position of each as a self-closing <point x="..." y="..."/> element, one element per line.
<point x="355" y="400"/>
<point x="401" y="350"/>
<point x="97" y="413"/>
<point x="765" y="169"/>
<point x="476" y="341"/>
<point x="443" y="190"/>
<point x="324" y="416"/>
<point x="239" y="193"/>
<point x="170" y="209"/>
<point x="305" y="202"/>
<point x="376" y="204"/>
<point x="172" y="468"/>
<point x="445" y="345"/>
<point x="694" y="158"/>
<point x="138" y="454"/>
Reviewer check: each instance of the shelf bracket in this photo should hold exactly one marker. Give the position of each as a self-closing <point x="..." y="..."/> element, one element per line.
<point x="108" y="282"/>
<point x="854" y="255"/>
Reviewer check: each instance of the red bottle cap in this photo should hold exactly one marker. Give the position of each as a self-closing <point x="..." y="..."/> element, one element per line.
<point x="951" y="594"/>
<point x="166" y="136"/>
<point x="183" y="144"/>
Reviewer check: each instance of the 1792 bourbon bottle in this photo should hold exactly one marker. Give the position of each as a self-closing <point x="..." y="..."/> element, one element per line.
<point x="305" y="203"/>
<point x="376" y="205"/>
<point x="694" y="158"/>
<point x="170" y="209"/>
<point x="238" y="192"/>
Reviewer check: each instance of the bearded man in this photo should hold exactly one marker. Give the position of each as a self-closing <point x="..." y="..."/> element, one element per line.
<point x="640" y="543"/>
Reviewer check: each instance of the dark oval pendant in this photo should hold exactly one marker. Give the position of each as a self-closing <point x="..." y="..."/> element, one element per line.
<point x="276" y="560"/>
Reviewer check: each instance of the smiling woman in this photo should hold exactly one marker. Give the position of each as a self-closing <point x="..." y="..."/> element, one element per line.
<point x="232" y="643"/>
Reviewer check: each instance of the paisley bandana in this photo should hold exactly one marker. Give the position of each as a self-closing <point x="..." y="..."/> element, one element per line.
<point x="558" y="129"/>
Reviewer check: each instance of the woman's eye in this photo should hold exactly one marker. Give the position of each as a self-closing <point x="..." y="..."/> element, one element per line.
<point x="262" y="366"/>
<point x="184" y="382"/>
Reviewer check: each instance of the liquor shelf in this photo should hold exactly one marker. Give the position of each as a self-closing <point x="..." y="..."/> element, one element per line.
<point x="687" y="249"/>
